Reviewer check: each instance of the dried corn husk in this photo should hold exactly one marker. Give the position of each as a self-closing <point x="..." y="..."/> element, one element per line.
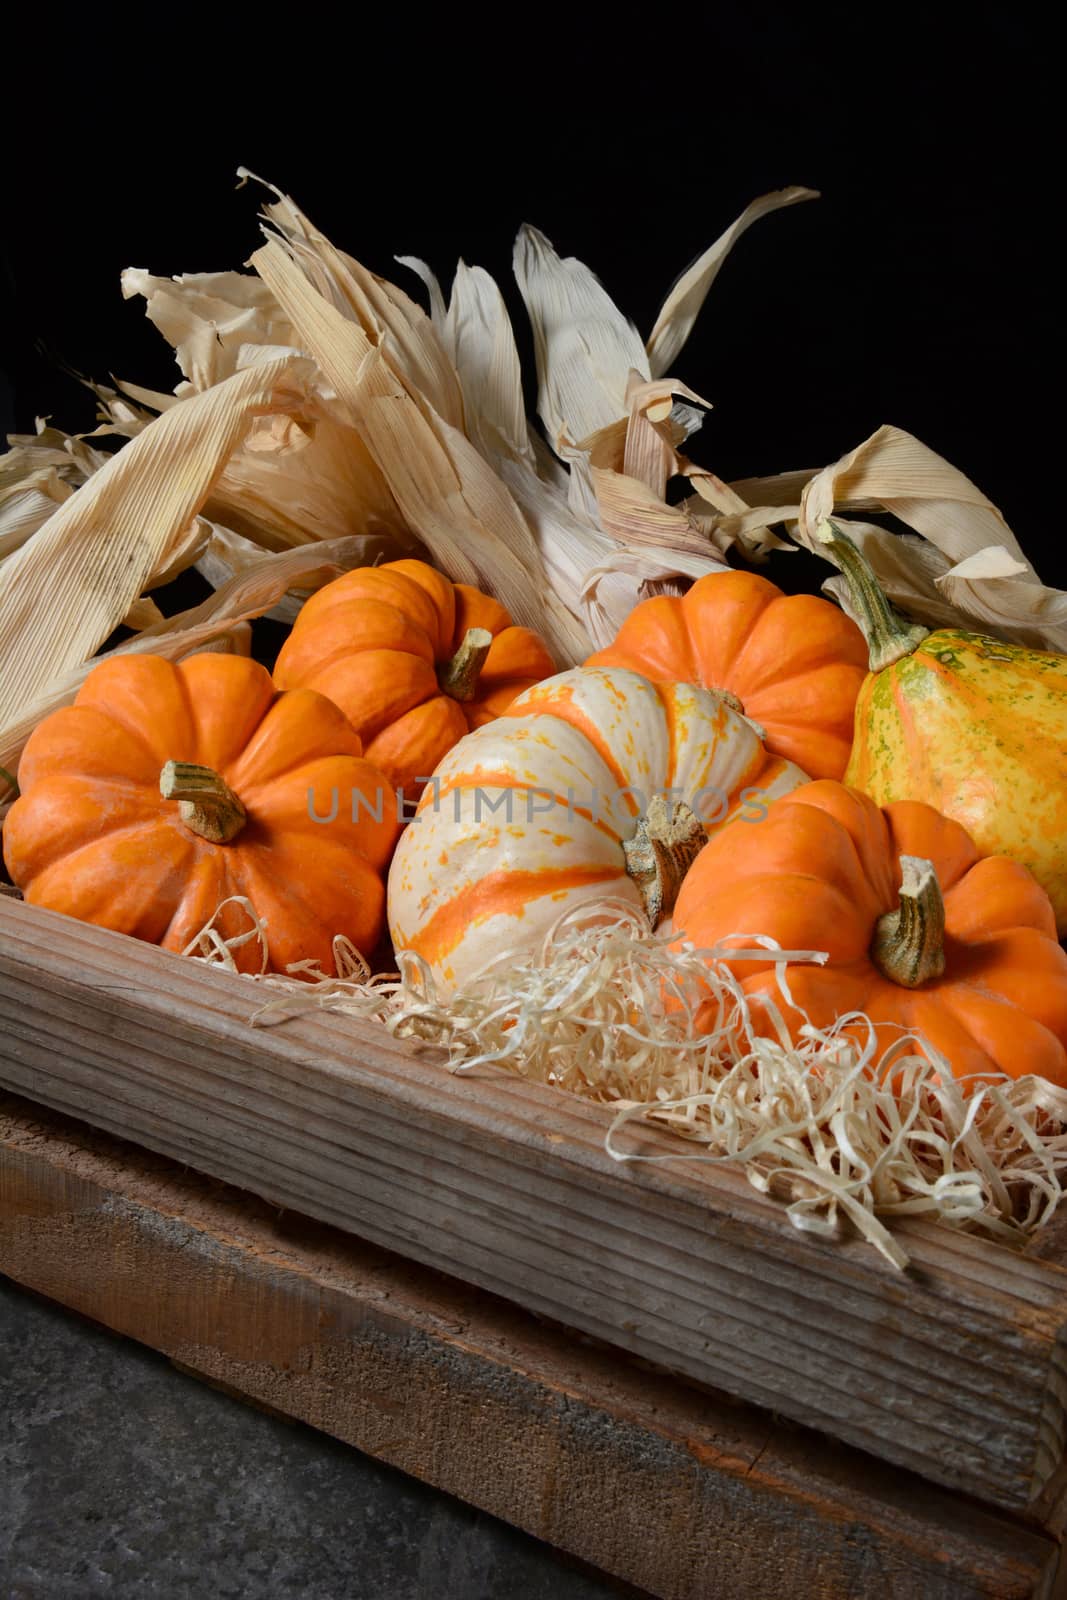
<point x="446" y="492"/>
<point x="38" y="473"/>
<point x="967" y="569"/>
<point x="585" y="348"/>
<point x="64" y="591"/>
<point x="70" y="585"/>
<point x="304" y="475"/>
<point x="592" y="373"/>
<point x="219" y="623"/>
<point x="606" y="535"/>
<point x="385" y="313"/>
<point x="41" y="471"/>
<point x="391" y="449"/>
<point x="682" y="306"/>
<point x="476" y="332"/>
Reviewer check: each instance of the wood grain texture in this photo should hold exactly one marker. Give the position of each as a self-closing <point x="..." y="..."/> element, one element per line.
<point x="680" y="1492"/>
<point x="954" y="1369"/>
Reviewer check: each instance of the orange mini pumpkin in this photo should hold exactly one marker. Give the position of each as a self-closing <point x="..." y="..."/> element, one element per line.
<point x="413" y="660"/>
<point x="922" y="934"/>
<point x="165" y="789"/>
<point x="793" y="663"/>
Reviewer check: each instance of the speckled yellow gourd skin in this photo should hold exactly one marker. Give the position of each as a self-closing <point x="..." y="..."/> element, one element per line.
<point x="978" y="729"/>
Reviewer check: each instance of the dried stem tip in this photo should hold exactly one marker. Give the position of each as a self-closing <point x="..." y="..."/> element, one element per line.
<point x="459" y="677"/>
<point x="207" y="805"/>
<point x="667" y="842"/>
<point x="909" y="943"/>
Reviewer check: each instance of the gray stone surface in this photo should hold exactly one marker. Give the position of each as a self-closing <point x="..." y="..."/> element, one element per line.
<point x="120" y="1476"/>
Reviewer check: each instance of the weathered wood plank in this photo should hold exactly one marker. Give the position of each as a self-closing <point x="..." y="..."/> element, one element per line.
<point x="678" y="1491"/>
<point x="955" y="1369"/>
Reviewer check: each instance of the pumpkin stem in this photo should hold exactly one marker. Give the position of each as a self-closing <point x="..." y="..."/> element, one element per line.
<point x="459" y="677"/>
<point x="909" y="943"/>
<point x="731" y="699"/>
<point x="889" y="636"/>
<point x="736" y="704"/>
<point x="668" y="840"/>
<point x="207" y="805"/>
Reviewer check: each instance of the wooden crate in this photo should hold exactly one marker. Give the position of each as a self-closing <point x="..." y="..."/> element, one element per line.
<point x="952" y="1371"/>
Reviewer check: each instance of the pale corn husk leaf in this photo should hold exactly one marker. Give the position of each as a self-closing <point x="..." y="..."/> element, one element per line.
<point x="750" y="530"/>
<point x="682" y="306"/>
<point x="261" y="582"/>
<point x="658" y="420"/>
<point x="42" y="471"/>
<point x="227" y="554"/>
<point x="25" y="506"/>
<point x="447" y="493"/>
<point x="38" y="472"/>
<point x="583" y="345"/>
<point x="585" y="348"/>
<point x="604" y="530"/>
<point x="635" y="544"/>
<point x="144" y="613"/>
<point x="183" y="551"/>
<point x="389" y="317"/>
<point x="781" y="489"/>
<point x="908" y="569"/>
<point x="894" y="470"/>
<point x="985" y="580"/>
<point x="621" y="542"/>
<point x="206" y="318"/>
<point x="65" y="591"/>
<point x="151" y="400"/>
<point x="70" y="454"/>
<point x="300" y="476"/>
<point x="230" y="556"/>
<point x="324" y="487"/>
<point x="220" y="622"/>
<point x="630" y="465"/>
<point x="476" y="334"/>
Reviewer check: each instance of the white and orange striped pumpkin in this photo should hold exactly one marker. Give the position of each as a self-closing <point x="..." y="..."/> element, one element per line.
<point x="596" y="784"/>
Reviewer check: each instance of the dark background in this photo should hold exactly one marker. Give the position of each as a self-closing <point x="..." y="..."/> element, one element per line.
<point x="917" y="291"/>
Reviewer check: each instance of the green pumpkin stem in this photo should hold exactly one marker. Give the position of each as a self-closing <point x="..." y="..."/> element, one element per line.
<point x="667" y="842"/>
<point x="909" y="943"/>
<point x="459" y="677"/>
<point x="206" y="804"/>
<point x="889" y="636"/>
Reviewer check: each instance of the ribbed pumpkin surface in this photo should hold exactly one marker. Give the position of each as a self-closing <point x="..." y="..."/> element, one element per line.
<point x="795" y="662"/>
<point x="576" y="760"/>
<point x="92" y="837"/>
<point x="818" y="874"/>
<point x="375" y="642"/>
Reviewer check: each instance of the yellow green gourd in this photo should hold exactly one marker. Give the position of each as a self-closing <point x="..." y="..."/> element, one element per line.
<point x="965" y="722"/>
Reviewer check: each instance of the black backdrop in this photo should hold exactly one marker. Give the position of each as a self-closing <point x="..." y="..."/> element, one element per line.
<point x="918" y="290"/>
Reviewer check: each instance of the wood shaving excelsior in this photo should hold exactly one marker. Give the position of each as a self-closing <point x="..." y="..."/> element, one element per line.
<point x="827" y="1123"/>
